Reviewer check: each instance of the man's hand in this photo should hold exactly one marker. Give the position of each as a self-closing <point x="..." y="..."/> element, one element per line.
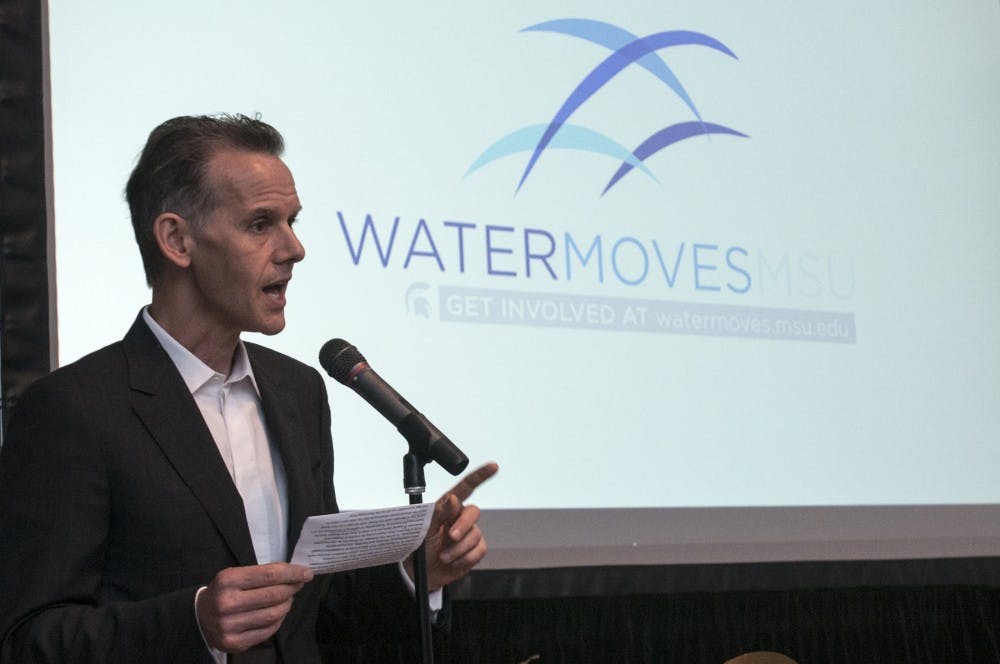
<point x="454" y="542"/>
<point x="244" y="606"/>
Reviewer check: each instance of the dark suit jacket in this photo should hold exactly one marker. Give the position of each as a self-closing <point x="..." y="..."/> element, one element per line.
<point x="115" y="506"/>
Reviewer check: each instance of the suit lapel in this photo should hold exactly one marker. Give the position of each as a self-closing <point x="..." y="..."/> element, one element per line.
<point x="166" y="408"/>
<point x="284" y="423"/>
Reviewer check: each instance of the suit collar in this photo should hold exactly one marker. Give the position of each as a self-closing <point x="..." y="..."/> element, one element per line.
<point x="163" y="403"/>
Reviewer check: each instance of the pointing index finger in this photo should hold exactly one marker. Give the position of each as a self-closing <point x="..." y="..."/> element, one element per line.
<point x="468" y="484"/>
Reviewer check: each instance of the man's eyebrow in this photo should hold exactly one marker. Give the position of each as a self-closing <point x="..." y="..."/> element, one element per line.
<point x="265" y="211"/>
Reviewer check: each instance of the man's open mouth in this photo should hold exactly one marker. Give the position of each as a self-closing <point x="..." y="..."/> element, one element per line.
<point x="277" y="289"/>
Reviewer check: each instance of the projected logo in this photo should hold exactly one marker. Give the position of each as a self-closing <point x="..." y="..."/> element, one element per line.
<point x="417" y="303"/>
<point x="626" y="49"/>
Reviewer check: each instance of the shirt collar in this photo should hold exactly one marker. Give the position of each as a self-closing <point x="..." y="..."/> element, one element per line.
<point x="195" y="372"/>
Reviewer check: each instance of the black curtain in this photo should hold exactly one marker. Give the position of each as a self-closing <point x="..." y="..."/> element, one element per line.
<point x="887" y="625"/>
<point x="25" y="348"/>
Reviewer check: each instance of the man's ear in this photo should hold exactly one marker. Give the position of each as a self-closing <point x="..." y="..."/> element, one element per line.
<point x="173" y="235"/>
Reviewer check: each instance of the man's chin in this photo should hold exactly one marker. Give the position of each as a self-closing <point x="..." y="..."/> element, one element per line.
<point x="271" y="326"/>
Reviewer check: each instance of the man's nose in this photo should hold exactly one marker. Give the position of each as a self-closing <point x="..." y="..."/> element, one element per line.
<point x="291" y="249"/>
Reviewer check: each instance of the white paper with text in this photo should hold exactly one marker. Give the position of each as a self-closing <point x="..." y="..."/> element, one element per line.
<point x="364" y="538"/>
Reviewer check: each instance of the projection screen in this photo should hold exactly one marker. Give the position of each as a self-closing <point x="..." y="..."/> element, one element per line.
<point x="710" y="281"/>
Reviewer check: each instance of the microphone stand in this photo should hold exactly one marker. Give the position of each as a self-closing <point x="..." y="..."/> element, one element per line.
<point x="414" y="485"/>
<point x="426" y="444"/>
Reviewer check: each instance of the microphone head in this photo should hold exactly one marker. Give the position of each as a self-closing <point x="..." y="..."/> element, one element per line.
<point x="339" y="357"/>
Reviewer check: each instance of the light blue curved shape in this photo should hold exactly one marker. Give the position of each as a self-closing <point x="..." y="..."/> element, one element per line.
<point x="612" y="37"/>
<point x="569" y="136"/>
<point x="610" y="68"/>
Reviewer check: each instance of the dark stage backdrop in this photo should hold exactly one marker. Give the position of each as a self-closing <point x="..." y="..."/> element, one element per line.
<point x="948" y="625"/>
<point x="27" y="348"/>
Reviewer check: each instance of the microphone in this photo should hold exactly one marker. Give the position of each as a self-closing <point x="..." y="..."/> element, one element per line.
<point x="347" y="365"/>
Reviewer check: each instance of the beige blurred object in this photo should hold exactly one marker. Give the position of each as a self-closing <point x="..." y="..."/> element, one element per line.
<point x="761" y="657"/>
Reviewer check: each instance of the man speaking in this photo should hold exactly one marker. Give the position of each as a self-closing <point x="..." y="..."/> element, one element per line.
<point x="151" y="492"/>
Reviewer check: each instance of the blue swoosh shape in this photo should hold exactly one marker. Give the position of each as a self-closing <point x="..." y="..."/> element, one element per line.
<point x="573" y="137"/>
<point x="668" y="136"/>
<point x="612" y="37"/>
<point x="609" y="68"/>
